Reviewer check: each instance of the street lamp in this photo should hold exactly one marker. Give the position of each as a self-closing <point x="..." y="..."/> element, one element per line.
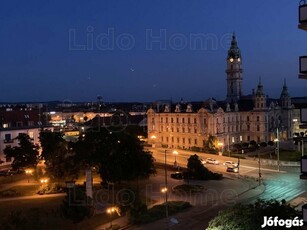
<point x="221" y="146"/>
<point x="110" y="211"/>
<point x="175" y="153"/>
<point x="153" y="138"/>
<point x="165" y="189"/>
<point x="277" y="148"/>
<point x="29" y="173"/>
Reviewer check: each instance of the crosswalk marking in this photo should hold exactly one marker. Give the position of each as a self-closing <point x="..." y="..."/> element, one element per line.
<point x="281" y="191"/>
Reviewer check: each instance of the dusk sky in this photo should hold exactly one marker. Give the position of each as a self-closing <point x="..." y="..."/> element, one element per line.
<point x="141" y="50"/>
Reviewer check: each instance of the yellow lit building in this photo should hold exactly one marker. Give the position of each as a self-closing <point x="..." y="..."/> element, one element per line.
<point x="238" y="119"/>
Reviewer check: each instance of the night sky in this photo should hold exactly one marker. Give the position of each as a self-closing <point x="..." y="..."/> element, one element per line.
<point x="76" y="50"/>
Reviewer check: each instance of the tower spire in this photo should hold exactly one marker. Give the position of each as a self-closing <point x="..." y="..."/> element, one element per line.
<point x="234" y="72"/>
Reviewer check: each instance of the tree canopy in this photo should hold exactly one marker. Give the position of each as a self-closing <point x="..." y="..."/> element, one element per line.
<point x="251" y="217"/>
<point x="58" y="155"/>
<point x="25" y="154"/>
<point x="198" y="171"/>
<point x="119" y="156"/>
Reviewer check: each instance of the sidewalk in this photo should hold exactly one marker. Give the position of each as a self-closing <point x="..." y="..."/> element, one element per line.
<point x="196" y="217"/>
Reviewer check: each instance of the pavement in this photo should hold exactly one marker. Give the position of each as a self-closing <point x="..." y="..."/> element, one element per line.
<point x="198" y="216"/>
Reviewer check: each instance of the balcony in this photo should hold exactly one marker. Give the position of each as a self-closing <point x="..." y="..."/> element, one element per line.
<point x="303" y="15"/>
<point x="6" y="141"/>
<point x="303" y="67"/>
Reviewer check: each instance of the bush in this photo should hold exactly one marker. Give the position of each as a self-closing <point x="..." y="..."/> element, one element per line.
<point x="271" y="143"/>
<point x="263" y="144"/>
<point x="197" y="171"/>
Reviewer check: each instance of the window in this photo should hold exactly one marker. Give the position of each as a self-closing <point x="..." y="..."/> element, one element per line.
<point x="166" y="139"/>
<point x="166" y="120"/>
<point x="172" y="129"/>
<point x="258" y="128"/>
<point x="189" y="140"/>
<point x="177" y="120"/>
<point x="247" y="118"/>
<point x="248" y="138"/>
<point x="172" y="139"/>
<point x="195" y="130"/>
<point x="5" y="125"/>
<point x="183" y="120"/>
<point x="161" y="119"/>
<point x="8" y="137"/>
<point x="177" y="129"/>
<point x="31" y="135"/>
<point x="248" y="128"/>
<point x="188" y="120"/>
<point x="172" y="120"/>
<point x="183" y="130"/>
<point x="258" y="139"/>
<point x="183" y="140"/>
<point x="257" y="118"/>
<point x="195" y="120"/>
<point x="177" y="139"/>
<point x="195" y="141"/>
<point x="161" y="139"/>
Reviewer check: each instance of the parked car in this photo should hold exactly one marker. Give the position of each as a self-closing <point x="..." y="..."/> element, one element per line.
<point x="177" y="175"/>
<point x="232" y="168"/>
<point x="230" y="163"/>
<point x="4" y="173"/>
<point x="212" y="161"/>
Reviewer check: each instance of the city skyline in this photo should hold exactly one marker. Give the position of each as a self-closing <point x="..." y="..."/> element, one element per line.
<point x="145" y="51"/>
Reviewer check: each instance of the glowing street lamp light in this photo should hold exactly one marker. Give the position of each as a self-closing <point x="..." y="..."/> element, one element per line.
<point x="29" y="173"/>
<point x="175" y="153"/>
<point x="110" y="211"/>
<point x="44" y="181"/>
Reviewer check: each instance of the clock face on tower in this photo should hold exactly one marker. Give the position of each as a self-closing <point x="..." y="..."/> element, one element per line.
<point x="239" y="59"/>
<point x="231" y="59"/>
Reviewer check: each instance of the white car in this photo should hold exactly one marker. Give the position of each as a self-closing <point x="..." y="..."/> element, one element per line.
<point x="230" y="163"/>
<point x="203" y="161"/>
<point x="212" y="161"/>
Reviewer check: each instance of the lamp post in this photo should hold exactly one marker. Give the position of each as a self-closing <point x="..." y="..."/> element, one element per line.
<point x="165" y="191"/>
<point x="259" y="178"/>
<point x="302" y="147"/>
<point x="175" y="153"/>
<point x="277" y="148"/>
<point x="110" y="211"/>
<point x="29" y="173"/>
<point x="221" y="145"/>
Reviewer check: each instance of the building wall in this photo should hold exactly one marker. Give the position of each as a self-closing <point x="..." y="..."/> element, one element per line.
<point x="5" y="142"/>
<point x="185" y="130"/>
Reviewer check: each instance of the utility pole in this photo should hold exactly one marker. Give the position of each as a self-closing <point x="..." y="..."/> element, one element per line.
<point x="277" y="147"/>
<point x="259" y="179"/>
<point x="166" y="205"/>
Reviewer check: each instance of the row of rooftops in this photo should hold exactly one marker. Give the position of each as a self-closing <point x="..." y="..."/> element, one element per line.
<point x="246" y="103"/>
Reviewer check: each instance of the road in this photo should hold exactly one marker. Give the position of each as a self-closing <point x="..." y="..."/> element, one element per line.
<point x="283" y="184"/>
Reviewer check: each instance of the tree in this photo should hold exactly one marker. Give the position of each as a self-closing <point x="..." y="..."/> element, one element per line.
<point x="251" y="217"/>
<point x="25" y="154"/>
<point x="58" y="155"/>
<point x="198" y="171"/>
<point x="77" y="206"/>
<point x="119" y="156"/>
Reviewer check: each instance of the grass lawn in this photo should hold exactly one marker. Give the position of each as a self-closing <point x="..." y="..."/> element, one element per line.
<point x="44" y="213"/>
<point x="157" y="212"/>
<point x="284" y="155"/>
<point x="24" y="190"/>
<point x="188" y="188"/>
<point x="13" y="178"/>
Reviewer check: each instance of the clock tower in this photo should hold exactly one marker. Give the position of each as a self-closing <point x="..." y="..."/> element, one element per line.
<point x="234" y="72"/>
